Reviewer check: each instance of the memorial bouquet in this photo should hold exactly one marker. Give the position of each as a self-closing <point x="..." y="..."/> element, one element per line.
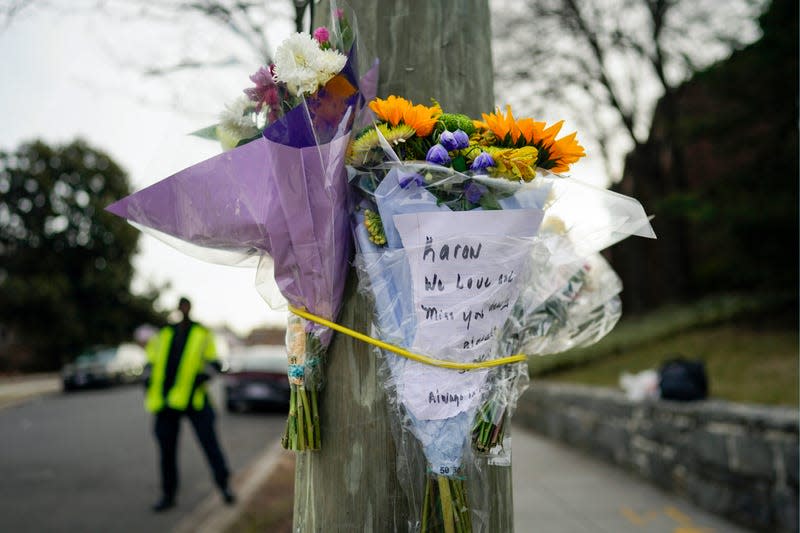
<point x="471" y="248"/>
<point x="277" y="197"/>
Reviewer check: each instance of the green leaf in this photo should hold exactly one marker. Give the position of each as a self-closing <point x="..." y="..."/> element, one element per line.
<point x="248" y="140"/>
<point x="207" y="133"/>
<point x="460" y="163"/>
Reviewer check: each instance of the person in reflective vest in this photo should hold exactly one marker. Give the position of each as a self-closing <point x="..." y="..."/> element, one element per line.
<point x="180" y="357"/>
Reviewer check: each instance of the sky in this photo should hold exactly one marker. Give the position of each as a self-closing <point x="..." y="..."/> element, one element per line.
<point x="70" y="75"/>
<point x="61" y="80"/>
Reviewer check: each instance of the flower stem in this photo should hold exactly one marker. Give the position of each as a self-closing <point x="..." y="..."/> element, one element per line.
<point x="462" y="512"/>
<point x="301" y="431"/>
<point x="447" y="504"/>
<point x="291" y="421"/>
<point x="426" y="505"/>
<point x="315" y="417"/>
<point x="489" y="426"/>
<point x="307" y="417"/>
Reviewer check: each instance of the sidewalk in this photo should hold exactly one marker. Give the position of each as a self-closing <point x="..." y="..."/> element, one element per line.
<point x="556" y="490"/>
<point x="559" y="490"/>
<point x="17" y="389"/>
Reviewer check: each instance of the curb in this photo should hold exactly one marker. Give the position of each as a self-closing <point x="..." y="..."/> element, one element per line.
<point x="16" y="390"/>
<point x="212" y="515"/>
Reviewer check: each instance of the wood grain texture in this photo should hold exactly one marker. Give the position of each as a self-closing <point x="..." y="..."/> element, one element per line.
<point x="427" y="50"/>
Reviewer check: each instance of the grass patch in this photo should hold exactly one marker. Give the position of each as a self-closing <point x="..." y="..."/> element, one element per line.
<point x="665" y="322"/>
<point x="750" y="351"/>
<point x="743" y="365"/>
<point x="271" y="507"/>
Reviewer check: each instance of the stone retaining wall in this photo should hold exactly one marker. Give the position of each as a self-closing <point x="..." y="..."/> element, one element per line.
<point x="739" y="461"/>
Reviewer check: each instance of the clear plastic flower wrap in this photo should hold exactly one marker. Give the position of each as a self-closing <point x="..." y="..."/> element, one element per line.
<point x="473" y="255"/>
<point x="434" y="414"/>
<point x="457" y="281"/>
<point x="278" y="196"/>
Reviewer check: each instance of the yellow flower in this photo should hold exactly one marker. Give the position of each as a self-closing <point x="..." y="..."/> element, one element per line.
<point x="510" y="163"/>
<point x="374" y="225"/>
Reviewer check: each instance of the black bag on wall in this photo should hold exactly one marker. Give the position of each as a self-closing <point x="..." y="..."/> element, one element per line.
<point x="683" y="380"/>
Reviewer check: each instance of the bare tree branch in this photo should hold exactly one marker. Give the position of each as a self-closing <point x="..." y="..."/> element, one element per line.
<point x="622" y="55"/>
<point x="188" y="64"/>
<point x="11" y="9"/>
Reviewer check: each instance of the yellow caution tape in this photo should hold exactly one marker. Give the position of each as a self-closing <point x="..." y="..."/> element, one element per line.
<point x="405" y="353"/>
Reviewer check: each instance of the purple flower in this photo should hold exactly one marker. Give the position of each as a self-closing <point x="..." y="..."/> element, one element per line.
<point x="407" y="179"/>
<point x="462" y="139"/>
<point x="438" y="155"/>
<point x="454" y="140"/>
<point x="448" y="140"/>
<point x="321" y="35"/>
<point x="265" y="92"/>
<point x="482" y="162"/>
<point x="474" y="192"/>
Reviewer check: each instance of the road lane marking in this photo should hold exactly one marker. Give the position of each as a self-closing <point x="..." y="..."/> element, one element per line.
<point x="683" y="522"/>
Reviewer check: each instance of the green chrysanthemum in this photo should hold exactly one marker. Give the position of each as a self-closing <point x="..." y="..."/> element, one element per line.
<point x="366" y="148"/>
<point x="456" y="121"/>
<point x="374" y="225"/>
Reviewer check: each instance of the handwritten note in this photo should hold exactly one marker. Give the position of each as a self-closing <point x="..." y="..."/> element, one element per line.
<point x="466" y="268"/>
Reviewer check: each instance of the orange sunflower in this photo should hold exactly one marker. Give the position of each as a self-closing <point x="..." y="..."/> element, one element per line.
<point x="556" y="155"/>
<point x="395" y="110"/>
<point x="564" y="152"/>
<point x="422" y="118"/>
<point x="504" y="127"/>
<point x="390" y="110"/>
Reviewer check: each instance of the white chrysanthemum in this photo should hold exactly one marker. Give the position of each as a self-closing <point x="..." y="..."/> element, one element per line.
<point x="303" y="66"/>
<point x="236" y="123"/>
<point x="331" y="61"/>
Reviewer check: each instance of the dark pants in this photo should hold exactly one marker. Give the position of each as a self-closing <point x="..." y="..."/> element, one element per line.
<point x="167" y="426"/>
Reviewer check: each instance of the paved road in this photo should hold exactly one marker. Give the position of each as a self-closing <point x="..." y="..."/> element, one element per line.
<point x="86" y="461"/>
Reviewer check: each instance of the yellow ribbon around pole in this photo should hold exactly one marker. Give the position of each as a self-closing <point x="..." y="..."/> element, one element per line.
<point x="405" y="353"/>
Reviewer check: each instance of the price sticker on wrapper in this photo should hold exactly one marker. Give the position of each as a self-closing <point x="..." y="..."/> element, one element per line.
<point x="296" y="351"/>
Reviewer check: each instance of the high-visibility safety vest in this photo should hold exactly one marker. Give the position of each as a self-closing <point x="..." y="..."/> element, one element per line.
<point x="199" y="350"/>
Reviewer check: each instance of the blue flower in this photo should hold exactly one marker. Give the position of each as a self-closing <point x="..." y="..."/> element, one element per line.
<point x="482" y="162"/>
<point x="474" y="191"/>
<point x="407" y="179"/>
<point x="448" y="140"/>
<point x="462" y="139"/>
<point x="438" y="155"/>
<point x="454" y="140"/>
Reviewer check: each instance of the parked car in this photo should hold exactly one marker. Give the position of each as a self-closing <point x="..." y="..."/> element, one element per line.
<point x="103" y="366"/>
<point x="257" y="378"/>
<point x="128" y="365"/>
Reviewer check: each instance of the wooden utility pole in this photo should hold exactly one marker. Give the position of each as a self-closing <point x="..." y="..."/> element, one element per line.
<point x="427" y="50"/>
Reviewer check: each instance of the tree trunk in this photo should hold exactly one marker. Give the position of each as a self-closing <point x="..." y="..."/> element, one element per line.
<point x="427" y="50"/>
